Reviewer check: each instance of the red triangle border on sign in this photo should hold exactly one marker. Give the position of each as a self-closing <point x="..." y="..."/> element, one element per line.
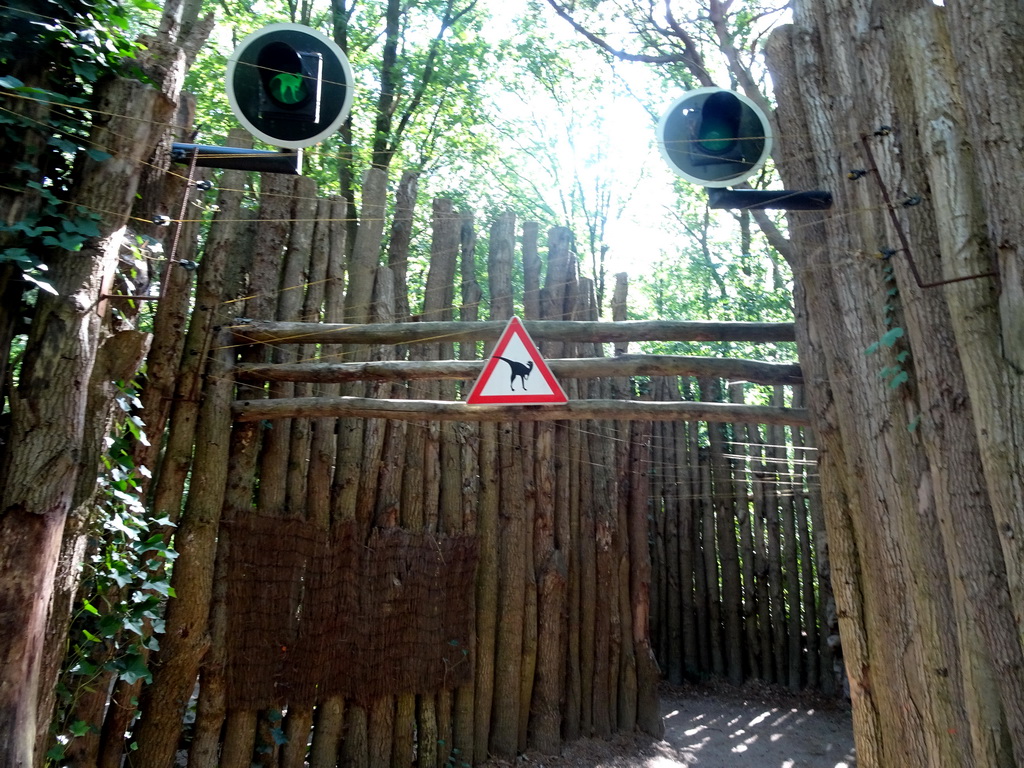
<point x="557" y="395"/>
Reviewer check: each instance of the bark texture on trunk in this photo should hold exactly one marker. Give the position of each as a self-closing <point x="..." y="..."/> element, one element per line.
<point x="49" y="415"/>
<point x="919" y="428"/>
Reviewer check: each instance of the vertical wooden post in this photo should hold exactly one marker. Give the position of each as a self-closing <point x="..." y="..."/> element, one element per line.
<point x="774" y="456"/>
<point x="463" y="738"/>
<point x="705" y="626"/>
<point x="362" y="271"/>
<point x="802" y="501"/>
<point x="762" y="554"/>
<point x="687" y="545"/>
<point x="330" y="712"/>
<point x="218" y="282"/>
<point x="675" y="648"/>
<point x="648" y="715"/>
<point x="184" y="643"/>
<point x="725" y="524"/>
<point x="504" y="741"/>
<point x="749" y="562"/>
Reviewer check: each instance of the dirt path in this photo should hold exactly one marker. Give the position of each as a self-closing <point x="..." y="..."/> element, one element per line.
<point x="754" y="727"/>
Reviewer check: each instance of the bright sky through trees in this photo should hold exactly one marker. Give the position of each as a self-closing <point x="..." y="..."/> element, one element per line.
<point x="599" y="141"/>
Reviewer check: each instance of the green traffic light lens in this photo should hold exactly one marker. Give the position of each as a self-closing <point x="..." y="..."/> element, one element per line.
<point x="716" y="137"/>
<point x="288" y="89"/>
<point x="720" y="124"/>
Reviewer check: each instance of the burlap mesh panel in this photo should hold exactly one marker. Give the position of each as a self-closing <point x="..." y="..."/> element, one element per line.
<point x="416" y="614"/>
<point x="313" y="614"/>
<point x="267" y="592"/>
<point x="336" y="583"/>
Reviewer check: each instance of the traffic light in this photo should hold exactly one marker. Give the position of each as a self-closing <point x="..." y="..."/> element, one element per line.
<point x="289" y="85"/>
<point x="714" y="137"/>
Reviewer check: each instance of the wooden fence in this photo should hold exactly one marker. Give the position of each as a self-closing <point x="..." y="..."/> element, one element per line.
<point x="512" y="549"/>
<point x="740" y="588"/>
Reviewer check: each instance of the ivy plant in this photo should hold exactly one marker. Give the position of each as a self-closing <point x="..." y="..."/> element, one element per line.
<point x="126" y="580"/>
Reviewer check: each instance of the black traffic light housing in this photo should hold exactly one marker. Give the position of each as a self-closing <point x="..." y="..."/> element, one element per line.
<point x="714" y="137"/>
<point x="289" y="85"/>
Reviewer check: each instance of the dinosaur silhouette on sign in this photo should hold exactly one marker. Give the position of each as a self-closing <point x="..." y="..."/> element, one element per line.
<point x="519" y="370"/>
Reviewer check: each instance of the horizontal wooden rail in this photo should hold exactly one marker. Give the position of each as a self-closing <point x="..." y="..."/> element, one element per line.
<point x="540" y="330"/>
<point x="574" y="368"/>
<point x="575" y="410"/>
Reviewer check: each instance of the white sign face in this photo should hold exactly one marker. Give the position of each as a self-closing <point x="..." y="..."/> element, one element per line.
<point x="516" y="374"/>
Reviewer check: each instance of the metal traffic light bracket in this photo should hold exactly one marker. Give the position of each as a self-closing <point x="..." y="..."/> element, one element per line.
<point x="239" y="159"/>
<point x="764" y="199"/>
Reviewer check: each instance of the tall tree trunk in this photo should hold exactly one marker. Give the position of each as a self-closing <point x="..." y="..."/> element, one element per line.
<point x="48" y="411"/>
<point x="901" y="454"/>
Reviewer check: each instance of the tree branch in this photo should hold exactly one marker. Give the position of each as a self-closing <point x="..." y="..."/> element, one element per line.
<point x="696" y="67"/>
<point x="695" y="61"/>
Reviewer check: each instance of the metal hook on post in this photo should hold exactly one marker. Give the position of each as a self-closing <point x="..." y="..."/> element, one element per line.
<point x="912" y="201"/>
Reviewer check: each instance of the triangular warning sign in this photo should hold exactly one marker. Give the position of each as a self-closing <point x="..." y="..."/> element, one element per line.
<point x="516" y="374"/>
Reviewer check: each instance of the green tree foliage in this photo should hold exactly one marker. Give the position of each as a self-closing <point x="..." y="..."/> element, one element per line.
<point x="723" y="270"/>
<point x="51" y="56"/>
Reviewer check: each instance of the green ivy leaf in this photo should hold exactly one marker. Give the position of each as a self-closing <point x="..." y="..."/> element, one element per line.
<point x="79" y="728"/>
<point x="62" y="144"/>
<point x="84" y="666"/>
<point x="19" y="255"/>
<point x="899" y="378"/>
<point x="41" y="283"/>
<point x="163" y="587"/>
<point x="890" y="336"/>
<point x="133" y="669"/>
<point x="110" y="625"/>
<point x="8" y="81"/>
<point x="56" y="752"/>
<point x="84" y="69"/>
<point x="98" y="155"/>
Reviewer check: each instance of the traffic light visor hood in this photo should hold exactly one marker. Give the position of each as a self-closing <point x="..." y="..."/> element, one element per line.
<point x="285" y="80"/>
<point x="714" y="137"/>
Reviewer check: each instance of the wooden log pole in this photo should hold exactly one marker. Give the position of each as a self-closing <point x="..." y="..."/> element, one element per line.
<point x="724" y="504"/>
<point x="741" y="482"/>
<point x="370" y="727"/>
<point x="574" y="410"/>
<point x="687" y="607"/>
<point x="675" y="647"/>
<point x="469" y="457"/>
<point x="549" y="559"/>
<point x="754" y="371"/>
<point x="699" y="494"/>
<point x="219" y="281"/>
<point x="330" y="712"/>
<point x="759" y="484"/>
<point x="648" y="716"/>
<point x="504" y="741"/>
<point x="578" y="331"/>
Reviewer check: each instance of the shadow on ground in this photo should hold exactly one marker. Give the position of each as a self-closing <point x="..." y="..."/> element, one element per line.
<point x="756" y="730"/>
<point x="723" y="727"/>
